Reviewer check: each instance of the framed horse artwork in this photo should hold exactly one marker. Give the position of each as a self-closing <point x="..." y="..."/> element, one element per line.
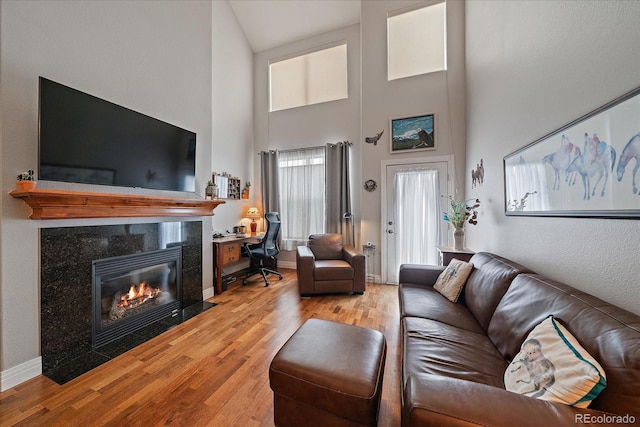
<point x="587" y="168"/>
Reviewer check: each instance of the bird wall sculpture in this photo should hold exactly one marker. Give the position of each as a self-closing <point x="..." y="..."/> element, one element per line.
<point x="374" y="139"/>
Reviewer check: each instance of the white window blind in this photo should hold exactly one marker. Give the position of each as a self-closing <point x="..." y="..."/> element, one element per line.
<point x="312" y="78"/>
<point x="416" y="41"/>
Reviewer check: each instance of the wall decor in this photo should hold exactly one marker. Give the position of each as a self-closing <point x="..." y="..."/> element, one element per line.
<point x="414" y="133"/>
<point x="477" y="175"/>
<point x="370" y="185"/>
<point x="582" y="169"/>
<point x="228" y="185"/>
<point x="245" y="191"/>
<point x="374" y="139"/>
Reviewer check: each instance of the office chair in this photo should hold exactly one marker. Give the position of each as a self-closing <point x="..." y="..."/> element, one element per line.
<point x="266" y="249"/>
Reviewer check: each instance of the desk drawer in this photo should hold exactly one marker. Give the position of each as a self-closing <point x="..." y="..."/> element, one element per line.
<point x="230" y="253"/>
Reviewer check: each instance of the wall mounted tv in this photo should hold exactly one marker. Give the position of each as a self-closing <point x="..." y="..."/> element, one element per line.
<point x="85" y="139"/>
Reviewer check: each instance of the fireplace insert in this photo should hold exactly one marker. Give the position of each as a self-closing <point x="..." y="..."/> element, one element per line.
<point x="133" y="291"/>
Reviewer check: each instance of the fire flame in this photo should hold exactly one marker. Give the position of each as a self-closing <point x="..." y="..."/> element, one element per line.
<point x="138" y="295"/>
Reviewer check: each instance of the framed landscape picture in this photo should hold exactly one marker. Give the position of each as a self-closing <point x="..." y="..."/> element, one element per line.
<point x="586" y="168"/>
<point x="413" y="133"/>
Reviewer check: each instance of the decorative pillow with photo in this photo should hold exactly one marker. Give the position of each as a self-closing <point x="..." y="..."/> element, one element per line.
<point x="451" y="281"/>
<point x="553" y="366"/>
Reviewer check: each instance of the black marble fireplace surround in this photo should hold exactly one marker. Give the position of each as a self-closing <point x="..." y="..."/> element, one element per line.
<point x="66" y="313"/>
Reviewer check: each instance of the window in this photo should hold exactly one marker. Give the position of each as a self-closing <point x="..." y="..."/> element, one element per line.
<point x="312" y="78"/>
<point x="416" y="41"/>
<point x="302" y="195"/>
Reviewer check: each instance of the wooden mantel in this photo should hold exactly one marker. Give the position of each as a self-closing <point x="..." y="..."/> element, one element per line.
<point x="63" y="204"/>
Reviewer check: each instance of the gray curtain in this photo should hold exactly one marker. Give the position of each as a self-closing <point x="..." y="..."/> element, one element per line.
<point x="270" y="183"/>
<point x="339" y="215"/>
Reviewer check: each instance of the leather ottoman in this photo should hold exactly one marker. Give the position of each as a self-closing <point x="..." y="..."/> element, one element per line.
<point x="328" y="374"/>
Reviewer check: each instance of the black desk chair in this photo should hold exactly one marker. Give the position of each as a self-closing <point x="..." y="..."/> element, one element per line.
<point x="267" y="249"/>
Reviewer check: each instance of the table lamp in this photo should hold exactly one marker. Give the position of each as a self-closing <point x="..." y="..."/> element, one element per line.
<point x="253" y="213"/>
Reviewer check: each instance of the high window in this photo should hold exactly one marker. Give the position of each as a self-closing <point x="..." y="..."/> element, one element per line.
<point x="307" y="79"/>
<point x="416" y="41"/>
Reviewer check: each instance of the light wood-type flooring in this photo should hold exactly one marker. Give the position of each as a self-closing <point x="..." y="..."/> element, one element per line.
<point x="211" y="370"/>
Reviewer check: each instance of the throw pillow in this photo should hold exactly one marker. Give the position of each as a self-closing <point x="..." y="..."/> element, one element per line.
<point x="453" y="278"/>
<point x="553" y="366"/>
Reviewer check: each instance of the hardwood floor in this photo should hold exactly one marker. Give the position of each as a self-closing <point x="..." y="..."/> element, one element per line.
<point x="211" y="370"/>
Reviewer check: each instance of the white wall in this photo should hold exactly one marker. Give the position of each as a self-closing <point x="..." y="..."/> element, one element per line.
<point x="153" y="57"/>
<point x="441" y="93"/>
<point x="312" y="125"/>
<point x="232" y="115"/>
<point x="366" y="114"/>
<point x="532" y="67"/>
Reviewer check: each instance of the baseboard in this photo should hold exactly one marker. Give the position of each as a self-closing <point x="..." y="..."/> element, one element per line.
<point x="291" y="265"/>
<point x="373" y="278"/>
<point x="207" y="293"/>
<point x="21" y="373"/>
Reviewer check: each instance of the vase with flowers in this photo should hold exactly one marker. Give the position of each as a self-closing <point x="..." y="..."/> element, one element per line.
<point x="459" y="213"/>
<point x="26" y="180"/>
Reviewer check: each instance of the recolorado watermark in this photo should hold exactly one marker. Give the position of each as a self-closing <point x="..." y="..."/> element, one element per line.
<point x="604" y="419"/>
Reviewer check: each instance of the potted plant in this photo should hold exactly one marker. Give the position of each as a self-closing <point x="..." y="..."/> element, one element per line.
<point x="26" y="180"/>
<point x="210" y="191"/>
<point x="460" y="212"/>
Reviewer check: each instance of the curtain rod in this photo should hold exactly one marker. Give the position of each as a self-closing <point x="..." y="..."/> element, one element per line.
<point x="306" y="148"/>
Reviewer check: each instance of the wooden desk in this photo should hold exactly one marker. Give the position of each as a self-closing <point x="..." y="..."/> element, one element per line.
<point x="226" y="251"/>
<point x="447" y="254"/>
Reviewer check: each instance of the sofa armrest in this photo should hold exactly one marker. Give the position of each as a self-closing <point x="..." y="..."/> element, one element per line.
<point x="420" y="274"/>
<point x="305" y="264"/>
<point x="358" y="262"/>
<point x="305" y="252"/>
<point x="349" y="253"/>
<point x="435" y="400"/>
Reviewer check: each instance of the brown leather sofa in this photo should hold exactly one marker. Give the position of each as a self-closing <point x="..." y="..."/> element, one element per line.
<point x="327" y="266"/>
<point x="454" y="355"/>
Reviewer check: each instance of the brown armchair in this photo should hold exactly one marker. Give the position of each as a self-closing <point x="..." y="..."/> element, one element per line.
<point x="327" y="266"/>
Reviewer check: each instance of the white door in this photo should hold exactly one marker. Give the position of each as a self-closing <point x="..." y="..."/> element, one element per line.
<point x="412" y="216"/>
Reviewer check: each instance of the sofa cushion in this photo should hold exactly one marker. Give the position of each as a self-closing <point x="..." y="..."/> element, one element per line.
<point x="435" y="400"/>
<point x="326" y="246"/>
<point x="333" y="270"/>
<point x="420" y="274"/>
<point x="431" y="347"/>
<point x="452" y="279"/>
<point x="553" y="366"/>
<point x="608" y="333"/>
<point x="424" y="301"/>
<point x="487" y="284"/>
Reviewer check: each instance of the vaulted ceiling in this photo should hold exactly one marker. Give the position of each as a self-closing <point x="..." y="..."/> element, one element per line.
<point x="271" y="23"/>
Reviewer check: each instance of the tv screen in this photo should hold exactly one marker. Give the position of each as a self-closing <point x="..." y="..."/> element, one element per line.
<point x="85" y="139"/>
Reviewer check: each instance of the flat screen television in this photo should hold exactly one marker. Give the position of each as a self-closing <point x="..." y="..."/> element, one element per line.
<point x="85" y="139"/>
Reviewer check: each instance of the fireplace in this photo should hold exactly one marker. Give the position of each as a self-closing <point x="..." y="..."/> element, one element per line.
<point x="68" y="257"/>
<point x="133" y="291"/>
